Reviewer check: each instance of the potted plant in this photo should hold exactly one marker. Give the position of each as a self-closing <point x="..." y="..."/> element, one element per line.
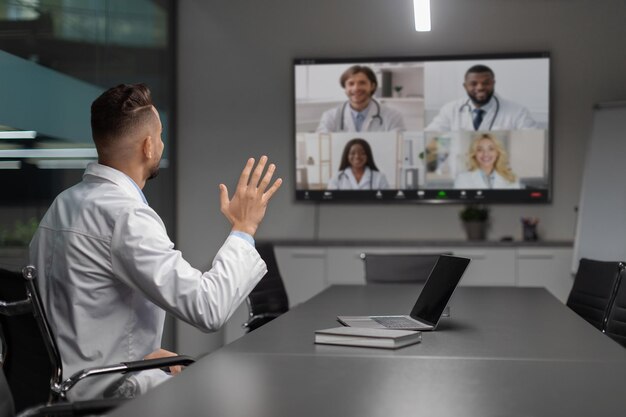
<point x="475" y="219"/>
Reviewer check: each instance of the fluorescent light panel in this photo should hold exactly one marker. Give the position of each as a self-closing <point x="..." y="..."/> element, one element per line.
<point x="49" y="153"/>
<point x="76" y="163"/>
<point x="63" y="163"/>
<point x="421" y="9"/>
<point x="18" y="134"/>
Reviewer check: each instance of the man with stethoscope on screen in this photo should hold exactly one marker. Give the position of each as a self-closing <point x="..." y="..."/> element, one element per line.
<point x="362" y="112"/>
<point x="482" y="109"/>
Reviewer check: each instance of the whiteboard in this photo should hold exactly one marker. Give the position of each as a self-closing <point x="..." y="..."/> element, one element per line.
<point x="601" y="223"/>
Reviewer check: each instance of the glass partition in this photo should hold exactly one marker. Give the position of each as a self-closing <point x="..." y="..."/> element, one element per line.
<point x="56" y="57"/>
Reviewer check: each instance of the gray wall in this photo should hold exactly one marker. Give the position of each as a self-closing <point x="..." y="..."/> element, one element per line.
<point x="235" y="101"/>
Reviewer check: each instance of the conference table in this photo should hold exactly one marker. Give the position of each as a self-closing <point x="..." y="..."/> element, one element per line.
<point x="504" y="351"/>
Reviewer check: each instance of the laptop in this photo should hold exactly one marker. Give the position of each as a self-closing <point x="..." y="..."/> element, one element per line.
<point x="429" y="307"/>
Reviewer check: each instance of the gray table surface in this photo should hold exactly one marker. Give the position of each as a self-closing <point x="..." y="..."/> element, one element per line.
<point x="503" y="352"/>
<point x="485" y="322"/>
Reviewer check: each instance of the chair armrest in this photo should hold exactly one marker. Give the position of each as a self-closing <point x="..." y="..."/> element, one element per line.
<point x="158" y="363"/>
<point x="122" y="368"/>
<point x="265" y="317"/>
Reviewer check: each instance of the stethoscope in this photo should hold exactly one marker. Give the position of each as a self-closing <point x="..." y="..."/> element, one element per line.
<point x="469" y="108"/>
<point x="376" y="116"/>
<point x="343" y="173"/>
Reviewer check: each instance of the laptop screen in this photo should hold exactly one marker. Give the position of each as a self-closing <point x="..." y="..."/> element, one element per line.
<point x="438" y="289"/>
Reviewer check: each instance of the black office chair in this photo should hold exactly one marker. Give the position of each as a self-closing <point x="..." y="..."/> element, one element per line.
<point x="616" y="323"/>
<point x="31" y="359"/>
<point x="398" y="268"/>
<point x="6" y="399"/>
<point x="268" y="299"/>
<point x="77" y="408"/>
<point x="594" y="290"/>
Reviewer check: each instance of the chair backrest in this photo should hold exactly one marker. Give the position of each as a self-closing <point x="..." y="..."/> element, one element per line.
<point x="398" y="268"/>
<point x="594" y="290"/>
<point x="31" y="360"/>
<point x="268" y="299"/>
<point x="6" y="399"/>
<point x="616" y="322"/>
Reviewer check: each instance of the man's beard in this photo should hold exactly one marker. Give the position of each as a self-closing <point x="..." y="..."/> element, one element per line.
<point x="155" y="171"/>
<point x="481" y="102"/>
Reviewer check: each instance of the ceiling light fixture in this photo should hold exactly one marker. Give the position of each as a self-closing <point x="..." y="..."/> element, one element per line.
<point x="421" y="9"/>
<point x="18" y="134"/>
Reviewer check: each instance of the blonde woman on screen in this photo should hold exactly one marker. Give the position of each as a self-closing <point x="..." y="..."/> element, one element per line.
<point x="488" y="166"/>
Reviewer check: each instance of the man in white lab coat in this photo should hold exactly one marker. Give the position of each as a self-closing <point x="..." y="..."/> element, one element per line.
<point x="362" y="112"/>
<point x="108" y="271"/>
<point x="482" y="109"/>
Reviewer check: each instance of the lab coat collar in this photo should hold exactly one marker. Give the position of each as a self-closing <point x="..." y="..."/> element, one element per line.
<point x="115" y="176"/>
<point x="365" y="179"/>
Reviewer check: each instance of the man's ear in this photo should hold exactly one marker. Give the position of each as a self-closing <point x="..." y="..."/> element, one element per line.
<point x="147" y="147"/>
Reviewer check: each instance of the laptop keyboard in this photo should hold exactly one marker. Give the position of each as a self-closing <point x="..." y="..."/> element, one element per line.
<point x="396" y="322"/>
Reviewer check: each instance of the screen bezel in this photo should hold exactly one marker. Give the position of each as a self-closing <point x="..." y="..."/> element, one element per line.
<point x="431" y="196"/>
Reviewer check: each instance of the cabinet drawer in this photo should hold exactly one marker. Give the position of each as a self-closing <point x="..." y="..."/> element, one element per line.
<point x="489" y="266"/>
<point x="303" y="270"/>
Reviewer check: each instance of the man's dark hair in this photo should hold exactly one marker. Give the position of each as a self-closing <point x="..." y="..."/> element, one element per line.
<point x="479" y="69"/>
<point x="118" y="111"/>
<point x="355" y="69"/>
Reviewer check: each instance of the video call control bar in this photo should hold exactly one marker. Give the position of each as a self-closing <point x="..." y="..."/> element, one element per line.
<point x="432" y="195"/>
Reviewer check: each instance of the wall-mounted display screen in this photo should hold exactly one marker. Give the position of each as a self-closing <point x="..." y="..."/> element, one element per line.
<point x="424" y="129"/>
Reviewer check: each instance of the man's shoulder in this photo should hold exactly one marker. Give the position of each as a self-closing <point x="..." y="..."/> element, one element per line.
<point x="99" y="193"/>
<point x="90" y="203"/>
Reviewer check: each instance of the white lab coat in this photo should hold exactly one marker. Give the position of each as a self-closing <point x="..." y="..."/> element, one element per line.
<point x="345" y="180"/>
<point x="107" y="273"/>
<point x="331" y="120"/>
<point x="476" y="180"/>
<point x="457" y="115"/>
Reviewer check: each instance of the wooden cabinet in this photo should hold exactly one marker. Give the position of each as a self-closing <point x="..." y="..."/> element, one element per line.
<point x="546" y="267"/>
<point x="489" y="266"/>
<point x="308" y="270"/>
<point x="303" y="270"/>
